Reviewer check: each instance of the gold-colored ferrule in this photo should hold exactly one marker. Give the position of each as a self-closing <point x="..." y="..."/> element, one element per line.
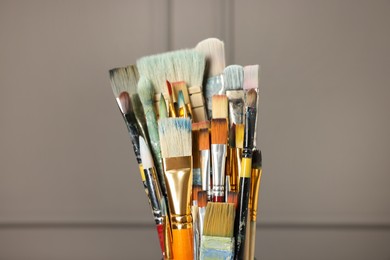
<point x="254" y="194"/>
<point x="232" y="169"/>
<point x="171" y="110"/>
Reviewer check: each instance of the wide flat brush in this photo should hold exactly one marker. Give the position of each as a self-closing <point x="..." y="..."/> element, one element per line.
<point x="217" y="239"/>
<point x="245" y="176"/>
<point x="146" y="94"/>
<point x="176" y="148"/>
<point x="214" y="51"/>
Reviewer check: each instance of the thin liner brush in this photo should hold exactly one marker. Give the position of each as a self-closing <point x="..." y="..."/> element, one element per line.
<point x="251" y="81"/>
<point x="245" y="175"/>
<point x="153" y="190"/>
<point x="176" y="149"/>
<point x="146" y="94"/>
<point x="182" y="109"/>
<point x="254" y="196"/>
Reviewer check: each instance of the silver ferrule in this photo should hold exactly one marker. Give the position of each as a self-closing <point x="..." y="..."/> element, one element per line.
<point x="205" y="168"/>
<point x="218" y="153"/>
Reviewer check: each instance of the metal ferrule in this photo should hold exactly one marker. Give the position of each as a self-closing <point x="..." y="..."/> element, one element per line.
<point x="236" y="111"/>
<point x="205" y="168"/>
<point x="218" y="153"/>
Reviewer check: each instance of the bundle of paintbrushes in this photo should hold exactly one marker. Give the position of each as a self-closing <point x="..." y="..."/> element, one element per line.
<point x="192" y="122"/>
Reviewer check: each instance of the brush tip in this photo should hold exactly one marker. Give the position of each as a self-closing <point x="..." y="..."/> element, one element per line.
<point x="219" y="131"/>
<point x="202" y="199"/>
<point x="219" y="106"/>
<point x="256" y="159"/>
<point x="175" y="137"/>
<point x="251" y="77"/>
<point x="233" y="77"/>
<point x="180" y="99"/>
<point x="251" y="98"/>
<point x="124" y="102"/>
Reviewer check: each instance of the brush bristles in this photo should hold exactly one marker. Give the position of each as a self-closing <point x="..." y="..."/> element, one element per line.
<point x="214" y="51"/>
<point x="195" y="192"/>
<point x="175" y="137"/>
<point x="240" y="135"/>
<point x="180" y="100"/>
<point x="180" y="65"/>
<point x="233" y="77"/>
<point x="251" y="98"/>
<point x="256" y="159"/>
<point x="202" y="199"/>
<point x="233" y="198"/>
<point x="220" y="106"/>
<point x="251" y="77"/>
<point x="145" y="91"/>
<point x="219" y="131"/>
<point x="119" y="80"/>
<point x="219" y="219"/>
<point x="204" y="139"/>
<point x="146" y="156"/>
<point x="162" y="108"/>
<point x="133" y="77"/>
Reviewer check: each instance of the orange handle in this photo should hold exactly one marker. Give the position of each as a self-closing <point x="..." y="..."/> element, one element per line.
<point x="183" y="244"/>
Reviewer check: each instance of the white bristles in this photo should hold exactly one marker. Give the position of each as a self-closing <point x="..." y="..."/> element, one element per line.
<point x="146" y="156"/>
<point x="182" y="65"/>
<point x="233" y="77"/>
<point x="119" y="80"/>
<point x="251" y="77"/>
<point x="175" y="137"/>
<point x="214" y="51"/>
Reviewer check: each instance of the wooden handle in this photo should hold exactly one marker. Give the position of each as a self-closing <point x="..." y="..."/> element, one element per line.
<point x="183" y="244"/>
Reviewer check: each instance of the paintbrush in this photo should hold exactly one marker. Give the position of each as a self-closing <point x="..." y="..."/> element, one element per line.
<point x="245" y="174"/>
<point x="214" y="51"/>
<point x="175" y="66"/>
<point x="251" y="81"/>
<point x="182" y="108"/>
<point x="219" y="134"/>
<point x="154" y="191"/>
<point x="146" y="93"/>
<point x="217" y="239"/>
<point x="253" y="202"/>
<point x="176" y="149"/>
<point x="195" y="218"/>
<point x="239" y="146"/>
<point x="196" y="171"/>
<point x="120" y="82"/>
<point x="204" y="157"/>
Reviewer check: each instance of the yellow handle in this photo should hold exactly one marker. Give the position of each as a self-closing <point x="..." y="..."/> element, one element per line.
<point x="182" y="244"/>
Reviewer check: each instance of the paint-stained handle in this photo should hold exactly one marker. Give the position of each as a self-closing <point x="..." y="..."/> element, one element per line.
<point x="182" y="244"/>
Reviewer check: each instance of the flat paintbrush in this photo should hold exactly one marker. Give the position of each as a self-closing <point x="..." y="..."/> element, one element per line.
<point x="176" y="149"/>
<point x="251" y="81"/>
<point x="245" y="175"/>
<point x="214" y="51"/>
<point x="219" y="135"/>
<point x="217" y="239"/>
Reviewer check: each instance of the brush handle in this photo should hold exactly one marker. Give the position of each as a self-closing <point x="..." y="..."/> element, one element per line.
<point x="134" y="136"/>
<point x="182" y="244"/>
<point x="242" y="207"/>
<point x="252" y="231"/>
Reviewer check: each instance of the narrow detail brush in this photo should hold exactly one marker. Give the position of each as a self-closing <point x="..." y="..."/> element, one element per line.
<point x="245" y="175"/>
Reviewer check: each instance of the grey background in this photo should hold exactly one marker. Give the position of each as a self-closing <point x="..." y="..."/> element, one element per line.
<point x="69" y="183"/>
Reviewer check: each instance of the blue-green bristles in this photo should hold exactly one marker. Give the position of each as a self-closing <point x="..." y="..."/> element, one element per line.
<point x="180" y="101"/>
<point x="175" y="137"/>
<point x="233" y="77"/>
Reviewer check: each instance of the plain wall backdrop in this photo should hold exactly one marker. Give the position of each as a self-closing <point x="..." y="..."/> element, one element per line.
<point x="69" y="182"/>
